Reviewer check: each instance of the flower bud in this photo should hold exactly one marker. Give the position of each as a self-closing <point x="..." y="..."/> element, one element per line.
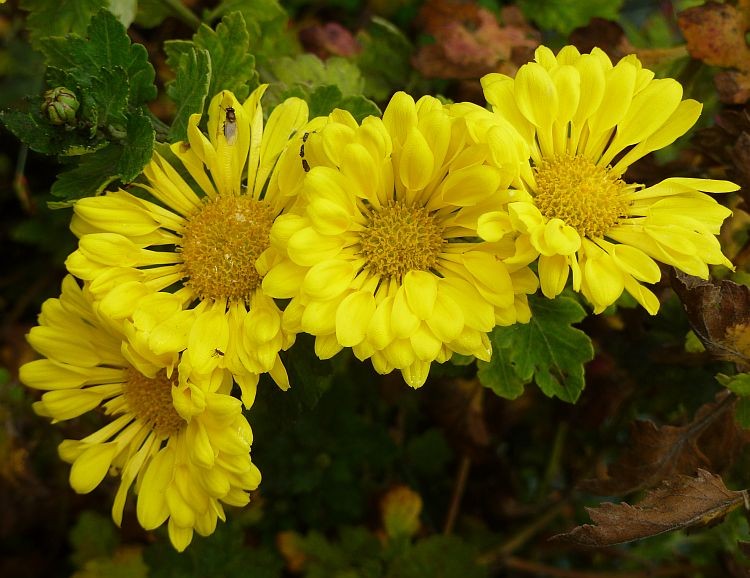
<point x="60" y="105"/>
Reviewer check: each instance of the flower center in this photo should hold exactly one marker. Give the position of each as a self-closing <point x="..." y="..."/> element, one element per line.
<point x="150" y="400"/>
<point x="400" y="238"/>
<point x="587" y="197"/>
<point x="221" y="244"/>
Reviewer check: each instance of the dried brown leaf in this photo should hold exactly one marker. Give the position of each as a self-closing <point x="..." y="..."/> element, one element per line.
<point x="683" y="502"/>
<point x="719" y="312"/>
<point x="655" y="453"/>
<point x="715" y="34"/>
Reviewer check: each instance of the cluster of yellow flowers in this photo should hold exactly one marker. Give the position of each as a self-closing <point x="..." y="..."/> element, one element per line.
<point x="406" y="238"/>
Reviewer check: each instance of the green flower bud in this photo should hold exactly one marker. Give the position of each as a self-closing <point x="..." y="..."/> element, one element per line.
<point x="60" y="105"/>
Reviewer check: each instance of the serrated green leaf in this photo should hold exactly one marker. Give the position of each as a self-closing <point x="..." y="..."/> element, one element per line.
<point x="34" y="130"/>
<point x="308" y="70"/>
<point x="91" y="176"/>
<point x="266" y="22"/>
<point x="109" y="95"/>
<point x="548" y="347"/>
<point x="189" y="88"/>
<point x="107" y="47"/>
<point x="58" y="17"/>
<point x="232" y="64"/>
<point x="137" y="147"/>
<point x="500" y="375"/>
<point x="564" y="17"/>
<point x="384" y="59"/>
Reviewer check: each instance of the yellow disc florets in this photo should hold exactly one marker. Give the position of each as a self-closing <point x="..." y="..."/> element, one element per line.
<point x="221" y="244"/>
<point x="399" y="238"/>
<point x="150" y="400"/>
<point x="585" y="196"/>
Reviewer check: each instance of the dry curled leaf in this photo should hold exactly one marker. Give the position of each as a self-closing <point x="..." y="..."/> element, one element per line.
<point x="655" y="453"/>
<point x="719" y="312"/>
<point x="683" y="502"/>
<point x="329" y="39"/>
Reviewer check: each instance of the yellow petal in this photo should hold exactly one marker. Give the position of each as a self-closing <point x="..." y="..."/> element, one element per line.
<point x="328" y="279"/>
<point x="151" y="507"/>
<point x="416" y="161"/>
<point x="284" y="280"/>
<point x="553" y="274"/>
<point x="91" y="466"/>
<point x="353" y="317"/>
<point x="421" y="292"/>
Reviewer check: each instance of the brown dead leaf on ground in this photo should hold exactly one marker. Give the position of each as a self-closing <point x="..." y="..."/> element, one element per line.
<point x="711" y="440"/>
<point x="719" y="313"/>
<point x="679" y="503"/>
<point x="715" y="33"/>
<point x="470" y="41"/>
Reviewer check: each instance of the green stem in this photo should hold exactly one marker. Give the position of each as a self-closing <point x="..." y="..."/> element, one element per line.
<point x="183" y="13"/>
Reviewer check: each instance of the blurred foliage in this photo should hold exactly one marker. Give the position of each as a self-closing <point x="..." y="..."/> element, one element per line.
<point x="362" y="477"/>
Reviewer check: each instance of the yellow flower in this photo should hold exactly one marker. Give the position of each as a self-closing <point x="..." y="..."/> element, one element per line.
<point x="184" y="273"/>
<point x="382" y="250"/>
<point x="586" y="122"/>
<point x="185" y="444"/>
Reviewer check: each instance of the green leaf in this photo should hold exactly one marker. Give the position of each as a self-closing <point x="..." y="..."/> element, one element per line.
<point x="124" y="10"/>
<point x="137" y="147"/>
<point x="500" y="375"/>
<point x="739" y="384"/>
<point x="308" y="70"/>
<point x="384" y="59"/>
<point x="564" y="17"/>
<point x="548" y="347"/>
<point x="109" y="95"/>
<point x="58" y="17"/>
<point x="359" y="106"/>
<point x="93" y="536"/>
<point x="91" y="176"/>
<point x="232" y="64"/>
<point x="438" y="556"/>
<point x="127" y="562"/>
<point x="266" y="22"/>
<point x="34" y="130"/>
<point x="189" y="88"/>
<point x="742" y="413"/>
<point x="107" y="47"/>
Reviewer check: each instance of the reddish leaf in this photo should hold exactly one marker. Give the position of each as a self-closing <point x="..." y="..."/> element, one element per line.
<point x="719" y="312"/>
<point x="470" y="42"/>
<point x="683" y="502"/>
<point x="329" y="39"/>
<point x="656" y="453"/>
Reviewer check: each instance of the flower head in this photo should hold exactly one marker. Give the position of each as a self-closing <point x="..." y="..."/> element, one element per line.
<point x="382" y="253"/>
<point x="587" y="121"/>
<point x="184" y="443"/>
<point x="184" y="273"/>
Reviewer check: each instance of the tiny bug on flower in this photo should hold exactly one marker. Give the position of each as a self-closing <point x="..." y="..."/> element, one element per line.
<point x="230" y="126"/>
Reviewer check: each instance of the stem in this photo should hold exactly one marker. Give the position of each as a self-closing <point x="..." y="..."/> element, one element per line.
<point x="542" y="569"/>
<point x="183" y="13"/>
<point x="501" y="552"/>
<point x="458" y="493"/>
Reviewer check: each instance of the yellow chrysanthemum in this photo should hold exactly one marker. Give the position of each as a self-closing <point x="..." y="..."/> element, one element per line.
<point x="586" y="121"/>
<point x="204" y="245"/>
<point x="382" y="251"/>
<point x="184" y="443"/>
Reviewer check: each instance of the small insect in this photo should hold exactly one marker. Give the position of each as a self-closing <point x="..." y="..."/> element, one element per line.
<point x="305" y="164"/>
<point x="230" y="126"/>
